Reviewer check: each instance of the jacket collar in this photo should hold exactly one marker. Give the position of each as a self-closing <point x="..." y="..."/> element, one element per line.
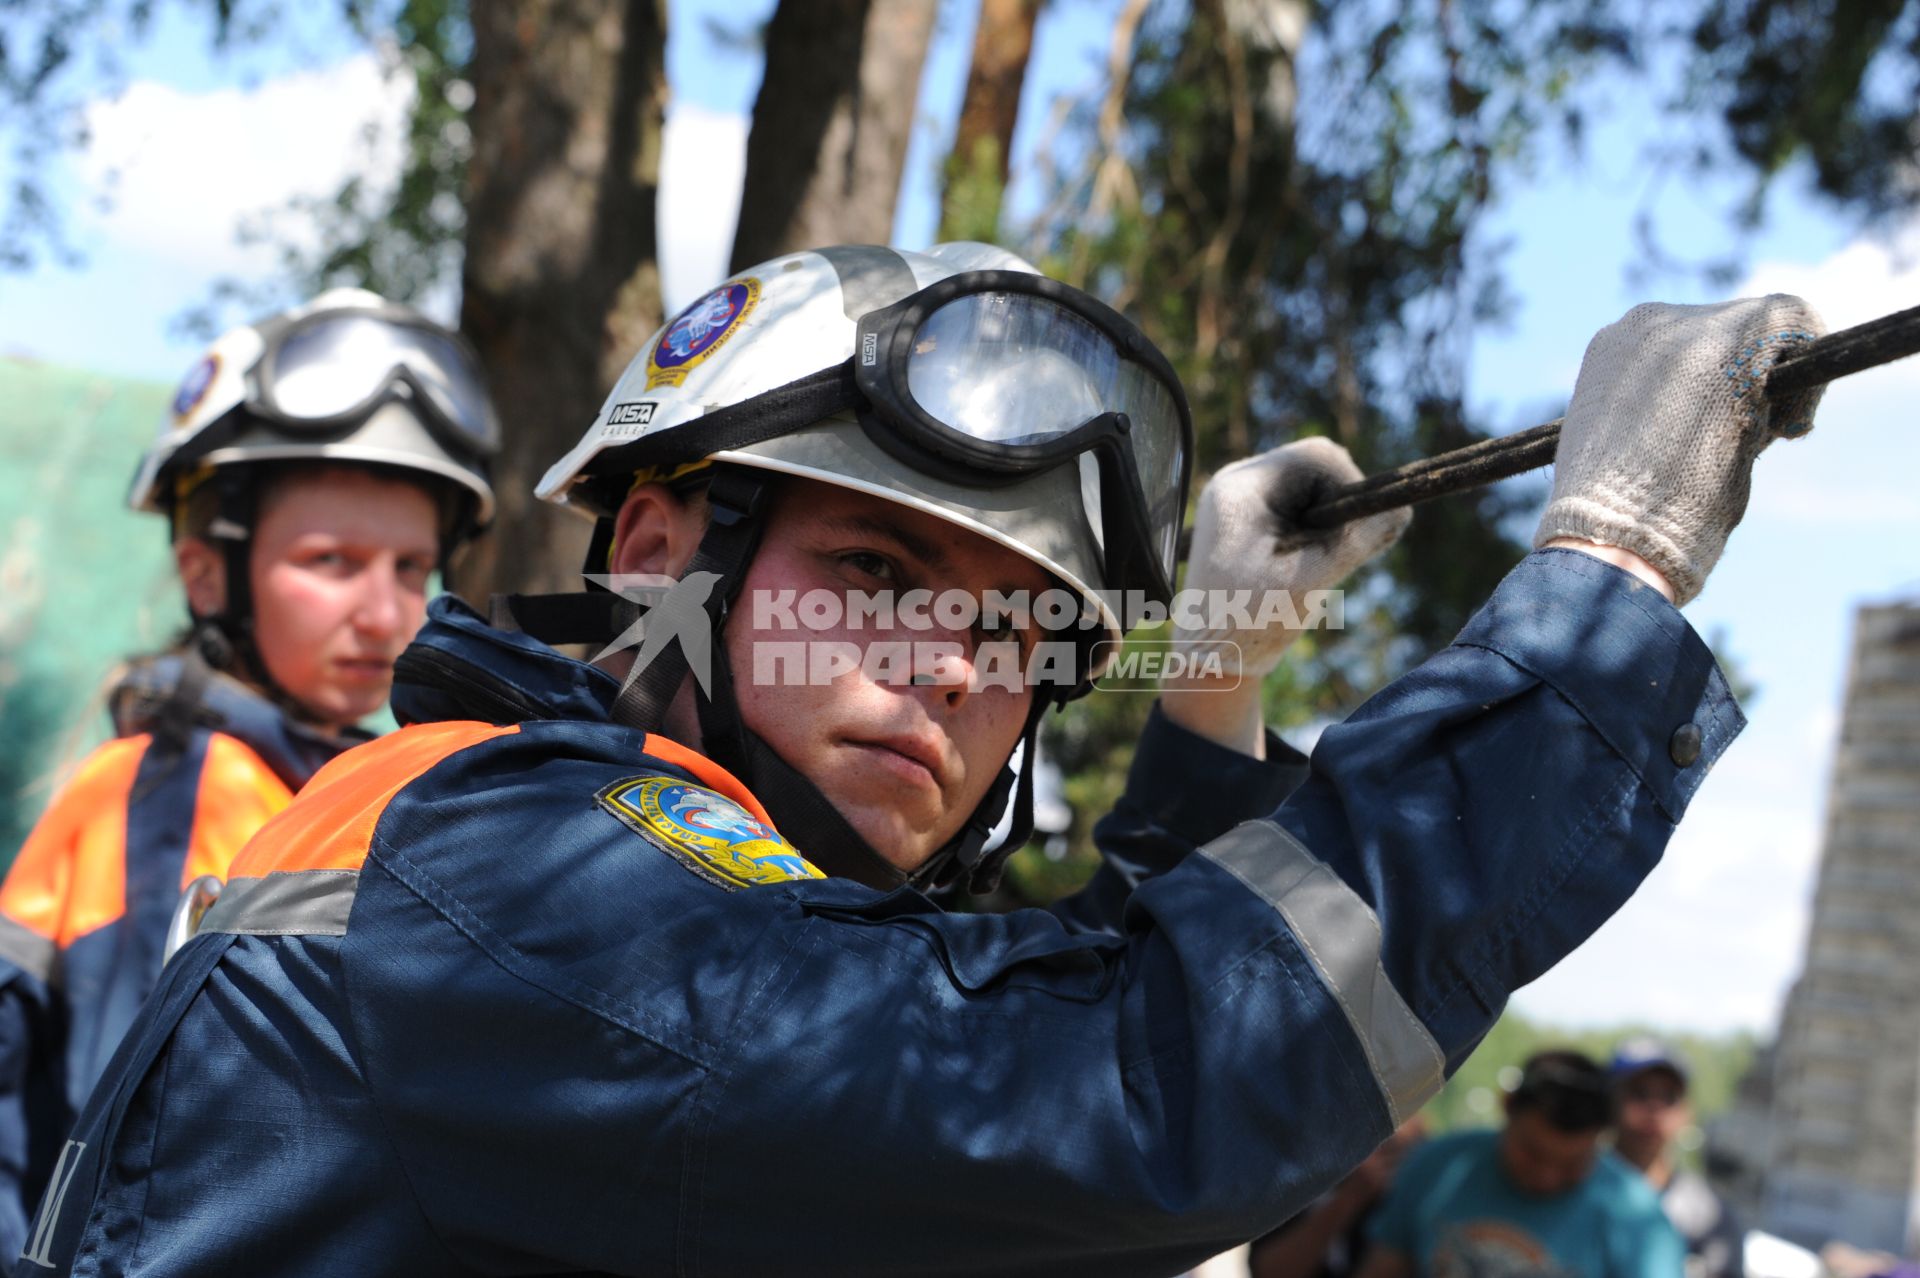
<point x="143" y="700"/>
<point x="460" y="667"/>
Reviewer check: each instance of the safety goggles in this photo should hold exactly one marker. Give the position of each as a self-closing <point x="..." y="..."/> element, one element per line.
<point x="989" y="376"/>
<point x="322" y="373"/>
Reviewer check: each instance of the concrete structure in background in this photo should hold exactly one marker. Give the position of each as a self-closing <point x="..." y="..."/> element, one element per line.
<point x="1739" y="1144"/>
<point x="1844" y="1161"/>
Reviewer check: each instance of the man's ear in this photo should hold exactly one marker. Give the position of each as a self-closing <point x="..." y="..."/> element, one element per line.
<point x="656" y="532"/>
<point x="203" y="572"/>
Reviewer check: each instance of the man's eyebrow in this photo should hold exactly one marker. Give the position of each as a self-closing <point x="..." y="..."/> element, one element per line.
<point x="925" y="549"/>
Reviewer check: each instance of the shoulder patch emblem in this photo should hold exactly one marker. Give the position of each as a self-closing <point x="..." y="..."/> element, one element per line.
<point x="707" y="832"/>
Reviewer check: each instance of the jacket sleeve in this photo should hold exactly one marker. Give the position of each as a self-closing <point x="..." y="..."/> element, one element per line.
<point x="988" y="1094"/>
<point x="34" y="902"/>
<point x="68" y="876"/>
<point x="1182" y="790"/>
<point x="812" y="1078"/>
<point x="22" y="998"/>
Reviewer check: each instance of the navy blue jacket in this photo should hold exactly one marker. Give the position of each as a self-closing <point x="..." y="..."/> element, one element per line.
<point x="548" y="996"/>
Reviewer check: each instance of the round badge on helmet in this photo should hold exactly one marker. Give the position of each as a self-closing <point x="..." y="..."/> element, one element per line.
<point x="698" y="331"/>
<point x="194" y="387"/>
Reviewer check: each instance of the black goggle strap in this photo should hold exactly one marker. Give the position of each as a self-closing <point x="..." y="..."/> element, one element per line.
<point x="473" y="441"/>
<point x="769" y="415"/>
<point x="1131" y="548"/>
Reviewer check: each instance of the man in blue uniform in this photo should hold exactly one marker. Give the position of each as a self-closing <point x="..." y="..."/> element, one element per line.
<point x="637" y="975"/>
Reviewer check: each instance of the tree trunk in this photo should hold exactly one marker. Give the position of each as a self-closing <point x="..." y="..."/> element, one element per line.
<point x="977" y="169"/>
<point x="831" y="124"/>
<point x="1254" y="45"/>
<point x="560" y="284"/>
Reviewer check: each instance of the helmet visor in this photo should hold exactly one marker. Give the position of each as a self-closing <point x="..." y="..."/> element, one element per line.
<point x="1024" y="374"/>
<point x="340" y="365"/>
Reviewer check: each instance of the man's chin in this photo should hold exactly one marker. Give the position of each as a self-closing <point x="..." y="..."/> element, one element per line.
<point x="904" y="849"/>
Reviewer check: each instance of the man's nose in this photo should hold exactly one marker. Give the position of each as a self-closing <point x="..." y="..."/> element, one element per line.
<point x="944" y="667"/>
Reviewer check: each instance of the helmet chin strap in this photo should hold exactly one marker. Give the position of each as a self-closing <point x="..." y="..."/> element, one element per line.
<point x="736" y="499"/>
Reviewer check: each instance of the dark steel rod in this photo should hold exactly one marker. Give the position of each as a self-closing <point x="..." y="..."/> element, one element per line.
<point x="1822" y="360"/>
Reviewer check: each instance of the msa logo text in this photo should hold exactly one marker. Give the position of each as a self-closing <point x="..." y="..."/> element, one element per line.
<point x="632" y="416"/>
<point x="869" y="349"/>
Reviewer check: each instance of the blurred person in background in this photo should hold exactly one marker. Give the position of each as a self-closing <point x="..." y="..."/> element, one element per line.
<point x="1650" y="1091"/>
<point x="316" y="469"/>
<point x="1329" y="1239"/>
<point x="1540" y="1196"/>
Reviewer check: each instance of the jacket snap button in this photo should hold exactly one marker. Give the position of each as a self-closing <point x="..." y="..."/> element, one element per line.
<point x="1684" y="748"/>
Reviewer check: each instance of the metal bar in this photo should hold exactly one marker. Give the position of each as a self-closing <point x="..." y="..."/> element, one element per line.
<point x="1825" y="359"/>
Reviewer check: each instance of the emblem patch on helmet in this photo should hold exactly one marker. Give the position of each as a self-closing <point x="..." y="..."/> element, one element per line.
<point x="707" y="832"/>
<point x="700" y="330"/>
<point x="194" y="387"/>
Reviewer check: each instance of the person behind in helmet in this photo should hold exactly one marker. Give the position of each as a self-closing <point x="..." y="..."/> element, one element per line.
<point x="316" y="470"/>
<point x="638" y="975"/>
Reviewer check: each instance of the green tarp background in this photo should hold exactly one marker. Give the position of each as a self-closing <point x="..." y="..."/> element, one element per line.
<point x="84" y="582"/>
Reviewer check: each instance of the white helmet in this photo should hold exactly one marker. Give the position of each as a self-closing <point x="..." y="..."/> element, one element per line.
<point x="958" y="381"/>
<point x="348" y="377"/>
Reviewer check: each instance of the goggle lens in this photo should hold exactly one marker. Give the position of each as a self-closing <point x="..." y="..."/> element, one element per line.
<point x="1021" y="369"/>
<point x="335" y="364"/>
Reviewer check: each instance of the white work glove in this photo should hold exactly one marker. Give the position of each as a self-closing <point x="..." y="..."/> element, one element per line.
<point x="1656" y="452"/>
<point x="1245" y="538"/>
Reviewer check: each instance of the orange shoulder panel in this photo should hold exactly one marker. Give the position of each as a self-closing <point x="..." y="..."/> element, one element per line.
<point x="238" y="793"/>
<point x="71" y="874"/>
<point x="329" y="824"/>
<point x="707" y="772"/>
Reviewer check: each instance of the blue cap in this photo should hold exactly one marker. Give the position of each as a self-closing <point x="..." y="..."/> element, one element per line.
<point x="1646" y="1052"/>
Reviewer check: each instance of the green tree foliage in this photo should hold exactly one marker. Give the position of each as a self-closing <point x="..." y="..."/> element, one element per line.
<point x="1313" y="270"/>
<point x="403" y="240"/>
<point x="1836" y="82"/>
<point x="976" y="169"/>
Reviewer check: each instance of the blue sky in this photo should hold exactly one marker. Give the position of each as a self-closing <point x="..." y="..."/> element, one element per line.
<point x="1712" y="939"/>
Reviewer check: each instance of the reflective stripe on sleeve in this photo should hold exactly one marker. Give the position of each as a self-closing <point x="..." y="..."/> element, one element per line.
<point x="25" y="948"/>
<point x="1341" y="936"/>
<point x="296" y="903"/>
